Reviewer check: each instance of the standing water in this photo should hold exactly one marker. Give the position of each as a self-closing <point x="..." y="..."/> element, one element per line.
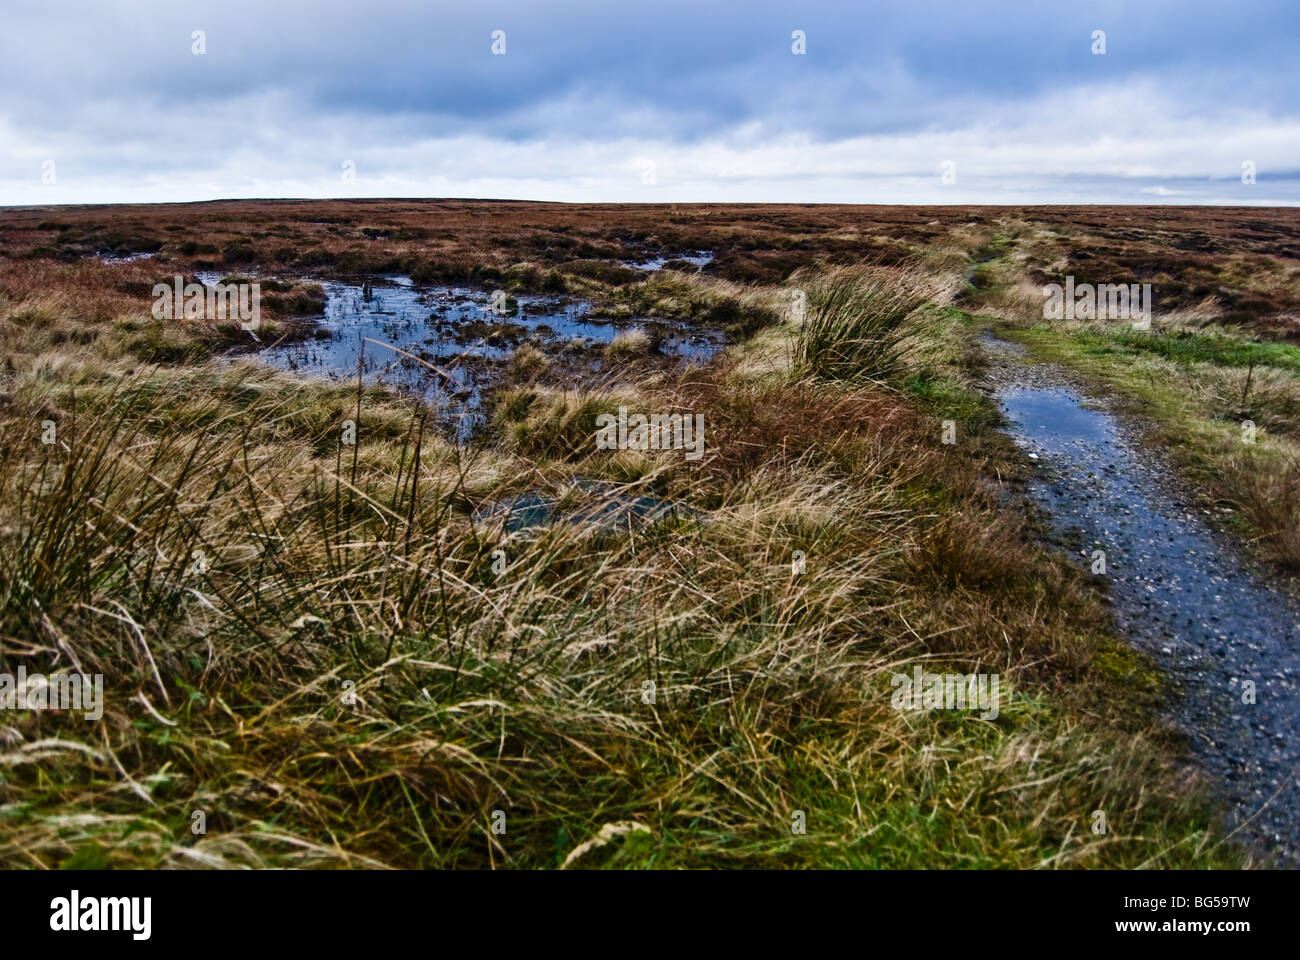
<point x="449" y="344"/>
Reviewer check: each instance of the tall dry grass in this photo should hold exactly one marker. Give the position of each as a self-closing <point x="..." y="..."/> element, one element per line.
<point x="865" y="322"/>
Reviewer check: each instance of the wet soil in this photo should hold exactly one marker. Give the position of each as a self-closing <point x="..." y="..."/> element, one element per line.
<point x="1182" y="592"/>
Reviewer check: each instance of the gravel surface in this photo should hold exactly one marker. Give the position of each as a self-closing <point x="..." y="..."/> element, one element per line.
<point x="1181" y="592"/>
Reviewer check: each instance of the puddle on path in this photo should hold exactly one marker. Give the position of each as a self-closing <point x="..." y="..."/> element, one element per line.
<point x="1182" y="593"/>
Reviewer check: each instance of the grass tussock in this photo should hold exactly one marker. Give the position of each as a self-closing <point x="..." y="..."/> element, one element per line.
<point x="628" y="344"/>
<point x="864" y="323"/>
<point x="527" y="362"/>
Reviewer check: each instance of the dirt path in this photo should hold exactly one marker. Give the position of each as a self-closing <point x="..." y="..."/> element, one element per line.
<point x="1181" y="593"/>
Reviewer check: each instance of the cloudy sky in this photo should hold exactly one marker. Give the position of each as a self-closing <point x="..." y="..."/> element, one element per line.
<point x="624" y="100"/>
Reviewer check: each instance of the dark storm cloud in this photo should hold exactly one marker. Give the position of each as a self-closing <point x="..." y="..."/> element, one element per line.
<point x="116" y="87"/>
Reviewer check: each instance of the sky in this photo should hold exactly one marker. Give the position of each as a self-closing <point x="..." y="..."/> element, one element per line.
<point x="619" y="100"/>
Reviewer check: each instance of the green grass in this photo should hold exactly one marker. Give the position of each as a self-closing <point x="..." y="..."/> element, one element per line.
<point x="1186" y="347"/>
